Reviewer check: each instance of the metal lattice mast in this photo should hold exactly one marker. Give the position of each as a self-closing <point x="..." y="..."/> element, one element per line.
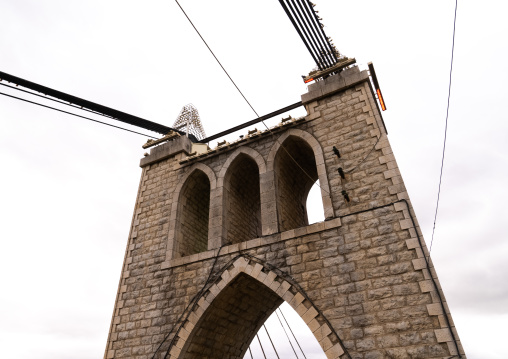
<point x="188" y="120"/>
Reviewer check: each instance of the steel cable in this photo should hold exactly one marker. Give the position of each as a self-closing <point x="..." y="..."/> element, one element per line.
<point x="285" y="332"/>
<point x="273" y="346"/>
<point x="446" y="129"/>
<point x="73" y="114"/>
<point x="320" y="40"/>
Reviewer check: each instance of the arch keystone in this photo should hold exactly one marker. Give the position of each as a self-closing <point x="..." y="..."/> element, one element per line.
<point x="241" y="263"/>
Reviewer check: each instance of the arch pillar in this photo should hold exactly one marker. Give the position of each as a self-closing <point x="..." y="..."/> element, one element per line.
<point x="268" y="203"/>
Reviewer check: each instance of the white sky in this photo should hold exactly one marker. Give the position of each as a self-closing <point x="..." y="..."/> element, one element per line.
<point x="68" y="185"/>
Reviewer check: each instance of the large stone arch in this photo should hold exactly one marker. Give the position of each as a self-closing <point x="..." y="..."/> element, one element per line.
<point x="227" y="315"/>
<point x="170" y="253"/>
<point x="319" y="159"/>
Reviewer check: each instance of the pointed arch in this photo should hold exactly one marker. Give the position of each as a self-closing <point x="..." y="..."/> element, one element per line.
<point x="308" y="154"/>
<point x="230" y="311"/>
<point x="266" y="183"/>
<point x="255" y="155"/>
<point x="197" y="166"/>
<point x="241" y="180"/>
<point x="189" y="232"/>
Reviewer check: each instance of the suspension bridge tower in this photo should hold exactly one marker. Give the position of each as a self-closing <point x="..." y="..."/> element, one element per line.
<point x="220" y="238"/>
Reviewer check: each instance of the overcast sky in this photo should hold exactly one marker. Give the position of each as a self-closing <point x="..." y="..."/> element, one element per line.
<point x="68" y="185"/>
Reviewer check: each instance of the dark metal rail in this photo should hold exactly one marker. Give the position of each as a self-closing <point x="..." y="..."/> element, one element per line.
<point x="115" y="114"/>
<point x="247" y="124"/>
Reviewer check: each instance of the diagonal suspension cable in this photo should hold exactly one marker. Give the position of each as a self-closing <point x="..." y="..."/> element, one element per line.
<point x="306" y="22"/>
<point x="73" y="114"/>
<point x="320" y="29"/>
<point x="57" y="101"/>
<point x="322" y="42"/>
<point x="317" y="25"/>
<point x="446" y="129"/>
<point x="305" y="31"/>
<point x="216" y="58"/>
<point x="115" y="114"/>
<point x="269" y="337"/>
<point x="263" y="122"/>
<point x="286" y="10"/>
<point x="287" y="336"/>
<point x="257" y="336"/>
<point x="291" y="330"/>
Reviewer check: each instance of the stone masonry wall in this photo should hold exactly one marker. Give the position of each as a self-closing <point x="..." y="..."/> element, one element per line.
<point x="359" y="280"/>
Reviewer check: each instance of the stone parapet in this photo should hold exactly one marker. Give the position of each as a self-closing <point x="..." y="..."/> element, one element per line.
<point x="335" y="83"/>
<point x="168" y="149"/>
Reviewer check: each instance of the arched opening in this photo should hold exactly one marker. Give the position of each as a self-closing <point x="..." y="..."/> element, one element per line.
<point x="231" y="321"/>
<point x="192" y="218"/>
<point x="226" y="315"/>
<point x="290" y="336"/>
<point x="242" y="200"/>
<point x="295" y="173"/>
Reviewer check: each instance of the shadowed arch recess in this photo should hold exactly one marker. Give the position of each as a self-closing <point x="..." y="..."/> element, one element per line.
<point x="295" y="174"/>
<point x="229" y="314"/>
<point x="193" y="215"/>
<point x="232" y="320"/>
<point x="306" y="150"/>
<point x="242" y="200"/>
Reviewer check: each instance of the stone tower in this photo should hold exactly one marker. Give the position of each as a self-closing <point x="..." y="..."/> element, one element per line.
<point x="220" y="238"/>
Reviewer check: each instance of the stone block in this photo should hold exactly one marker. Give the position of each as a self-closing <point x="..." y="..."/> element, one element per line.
<point x="443" y="335"/>
<point x="166" y="150"/>
<point x="406" y="223"/>
<point x="426" y="286"/>
<point x="310" y="315"/>
<point x="419" y="263"/>
<point x="287" y="234"/>
<point x="334" y="352"/>
<point x="412" y="243"/>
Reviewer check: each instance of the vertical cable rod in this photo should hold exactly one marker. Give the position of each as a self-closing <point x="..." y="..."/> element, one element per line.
<point x="269" y="337"/>
<point x="291" y="330"/>
<point x="257" y="336"/>
<point x="287" y="336"/>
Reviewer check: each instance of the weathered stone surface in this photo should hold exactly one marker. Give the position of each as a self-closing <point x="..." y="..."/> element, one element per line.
<point x="240" y="212"/>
